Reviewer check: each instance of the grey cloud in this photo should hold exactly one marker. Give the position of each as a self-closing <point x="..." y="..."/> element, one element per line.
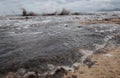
<point x="40" y="6"/>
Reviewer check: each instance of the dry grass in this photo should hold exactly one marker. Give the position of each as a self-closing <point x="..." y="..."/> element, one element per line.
<point x="104" y="21"/>
<point x="106" y="66"/>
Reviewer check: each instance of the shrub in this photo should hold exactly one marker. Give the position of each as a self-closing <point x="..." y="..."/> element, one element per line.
<point x="64" y="12"/>
<point x="26" y="13"/>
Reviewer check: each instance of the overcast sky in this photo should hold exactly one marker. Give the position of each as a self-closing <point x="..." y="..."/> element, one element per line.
<point x="41" y="6"/>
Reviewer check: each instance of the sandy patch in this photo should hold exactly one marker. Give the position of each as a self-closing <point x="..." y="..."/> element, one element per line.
<point x="106" y="66"/>
<point x="104" y="21"/>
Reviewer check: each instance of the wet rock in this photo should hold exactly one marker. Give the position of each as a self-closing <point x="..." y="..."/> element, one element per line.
<point x="59" y="73"/>
<point x="89" y="62"/>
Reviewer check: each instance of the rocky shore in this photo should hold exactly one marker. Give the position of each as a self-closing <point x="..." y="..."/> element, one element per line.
<point x="60" y="46"/>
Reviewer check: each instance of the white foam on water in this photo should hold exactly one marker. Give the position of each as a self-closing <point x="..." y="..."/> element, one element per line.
<point x="53" y="69"/>
<point x="51" y="34"/>
<point x="97" y="46"/>
<point x="24" y="33"/>
<point x="76" y="64"/>
<point x="85" y="53"/>
<point x="46" y="21"/>
<point x="106" y="39"/>
<point x="51" y="66"/>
